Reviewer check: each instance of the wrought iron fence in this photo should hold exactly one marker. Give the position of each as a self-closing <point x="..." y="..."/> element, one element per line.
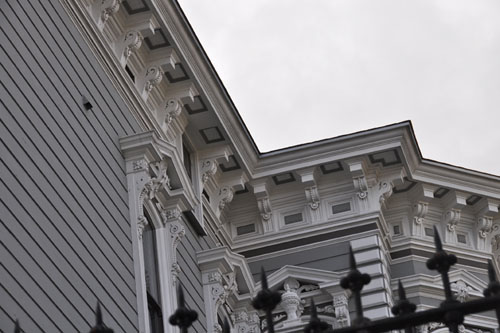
<point x="450" y="312"/>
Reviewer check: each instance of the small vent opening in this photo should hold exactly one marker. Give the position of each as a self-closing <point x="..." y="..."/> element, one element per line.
<point x="340" y="208"/>
<point x="245" y="229"/>
<point x="293" y="218"/>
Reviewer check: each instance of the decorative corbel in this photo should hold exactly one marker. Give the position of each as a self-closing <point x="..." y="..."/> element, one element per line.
<point x="261" y="193"/>
<point x="208" y="170"/>
<point x="357" y="169"/>
<point x="420" y="210"/>
<point x="486" y="210"/>
<point x="102" y="10"/>
<point x="170" y="111"/>
<point x="387" y="183"/>
<point x="454" y="202"/>
<point x="422" y="194"/>
<point x="225" y="193"/>
<point x="138" y="27"/>
<point x="210" y="160"/>
<point x="154" y="69"/>
<point x="308" y="179"/>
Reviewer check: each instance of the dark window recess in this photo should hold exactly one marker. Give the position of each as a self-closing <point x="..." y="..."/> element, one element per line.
<point x="340" y="208"/>
<point x="461" y="238"/>
<point x="245" y="229"/>
<point x="151" y="271"/>
<point x="396" y="229"/>
<point x="294" y="218"/>
<point x="187" y="160"/>
<point x="205" y="194"/>
<point x="130" y="74"/>
<point x="429" y="232"/>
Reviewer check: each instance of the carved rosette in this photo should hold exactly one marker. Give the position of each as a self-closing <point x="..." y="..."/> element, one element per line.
<point x="154" y="75"/>
<point x="170" y="214"/>
<point x="312" y="197"/>
<point x="132" y="41"/>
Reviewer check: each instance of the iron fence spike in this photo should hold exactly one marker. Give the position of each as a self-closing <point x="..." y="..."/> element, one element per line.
<point x="263" y="278"/>
<point x="491" y="272"/>
<point x="401" y="291"/>
<point x="17" y="327"/>
<point x="98" y="314"/>
<point x="437" y="240"/>
<point x="352" y="260"/>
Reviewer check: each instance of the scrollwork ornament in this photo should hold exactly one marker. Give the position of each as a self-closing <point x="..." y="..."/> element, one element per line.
<point x="154" y="75"/>
<point x="142" y="222"/>
<point x="109" y="8"/>
<point x="484" y="224"/>
<point x="133" y="41"/>
<point x="173" y="109"/>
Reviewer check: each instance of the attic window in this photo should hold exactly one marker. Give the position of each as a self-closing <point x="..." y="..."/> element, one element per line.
<point x="245" y="229"/>
<point x="293" y="218"/>
<point x="340" y="208"/>
<point x="429" y="232"/>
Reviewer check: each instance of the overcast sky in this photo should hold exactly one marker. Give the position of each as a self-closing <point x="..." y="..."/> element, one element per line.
<point x="300" y="71"/>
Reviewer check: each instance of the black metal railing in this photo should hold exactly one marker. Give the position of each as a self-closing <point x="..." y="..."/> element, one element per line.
<point x="450" y="312"/>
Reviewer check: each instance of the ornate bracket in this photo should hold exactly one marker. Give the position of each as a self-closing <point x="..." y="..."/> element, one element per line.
<point x="420" y="210"/>
<point x="208" y="170"/>
<point x="357" y="169"/>
<point x="264" y="204"/>
<point x="102" y="10"/>
<point x="308" y="178"/>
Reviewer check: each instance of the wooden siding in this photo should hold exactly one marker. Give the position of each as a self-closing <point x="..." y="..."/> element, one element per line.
<point x="64" y="230"/>
<point x="190" y="277"/>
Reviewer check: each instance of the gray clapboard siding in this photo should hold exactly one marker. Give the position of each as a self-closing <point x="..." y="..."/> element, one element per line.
<point x="65" y="237"/>
<point x="190" y="277"/>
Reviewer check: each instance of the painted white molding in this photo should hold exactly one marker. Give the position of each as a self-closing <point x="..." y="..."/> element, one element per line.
<point x="341" y="305"/>
<point x="139" y="186"/>
<point x="357" y="169"/>
<point x="245" y="321"/>
<point x="260" y="189"/>
<point x="454" y="203"/>
<point x="138" y="27"/>
<point x="420" y="210"/>
<point x="308" y="178"/>
<point x="102" y="10"/>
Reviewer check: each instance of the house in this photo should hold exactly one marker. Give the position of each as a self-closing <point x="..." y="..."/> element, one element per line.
<point x="126" y="170"/>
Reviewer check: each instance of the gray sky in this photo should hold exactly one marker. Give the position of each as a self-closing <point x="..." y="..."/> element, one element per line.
<point x="300" y="71"/>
